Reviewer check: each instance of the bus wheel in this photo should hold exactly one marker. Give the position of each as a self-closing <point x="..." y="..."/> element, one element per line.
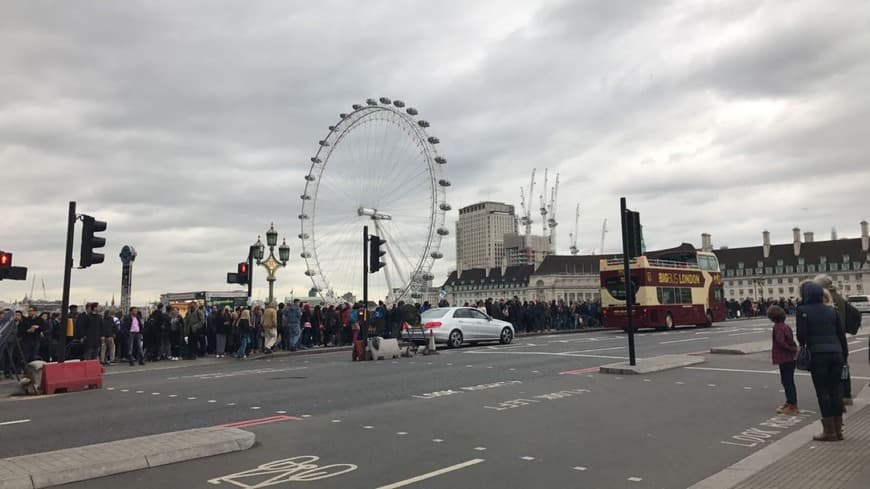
<point x="669" y="321"/>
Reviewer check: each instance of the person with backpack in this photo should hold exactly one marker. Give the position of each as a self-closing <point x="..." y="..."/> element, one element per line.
<point x="244" y="332"/>
<point x="850" y="321"/>
<point x="194" y="323"/>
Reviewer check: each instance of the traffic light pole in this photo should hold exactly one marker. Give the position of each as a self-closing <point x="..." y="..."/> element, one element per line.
<point x="364" y="328"/>
<point x="250" y="273"/>
<point x="628" y="286"/>
<point x="67" y="275"/>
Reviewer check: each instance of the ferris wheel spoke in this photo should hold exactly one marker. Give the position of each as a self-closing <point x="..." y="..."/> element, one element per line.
<point x="397" y="251"/>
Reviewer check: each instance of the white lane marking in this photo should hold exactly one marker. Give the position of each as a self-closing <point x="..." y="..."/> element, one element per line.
<point x="855" y="342"/>
<point x="336" y="421"/>
<point x="231" y="404"/>
<point x="748" y="388"/>
<point x="401" y="433"/>
<point x="536" y="371"/>
<point x="255" y="407"/>
<point x="368" y="427"/>
<point x="683" y="341"/>
<point x="748" y="332"/>
<point x="305" y="416"/>
<point x="155" y="393"/>
<point x="17" y="421"/>
<point x="140" y="392"/>
<point x="173" y="395"/>
<point x="635" y="479"/>
<point x="437" y="440"/>
<point x="280" y="412"/>
<point x="527" y="458"/>
<point x="481" y="352"/>
<point x="859" y="349"/>
<point x="125" y="390"/>
<point x="679" y="382"/>
<point x="432" y="474"/>
<point x="581" y="469"/>
<point x="211" y="401"/>
<point x="598" y="349"/>
<point x="236" y="373"/>
<point x="191" y="398"/>
<point x="647" y="380"/>
<point x="296" y="469"/>
<point x="110" y="388"/>
<point x="711" y="385"/>
<point x="480" y="449"/>
<point x="747" y="371"/>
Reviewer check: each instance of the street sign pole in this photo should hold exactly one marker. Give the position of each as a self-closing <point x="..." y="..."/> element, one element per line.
<point x="628" y="287"/>
<point x="67" y="272"/>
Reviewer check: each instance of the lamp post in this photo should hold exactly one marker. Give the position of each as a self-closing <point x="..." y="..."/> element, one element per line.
<point x="271" y="264"/>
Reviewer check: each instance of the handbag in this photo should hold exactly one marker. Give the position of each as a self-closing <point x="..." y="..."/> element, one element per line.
<point x="844" y="375"/>
<point x="804" y="357"/>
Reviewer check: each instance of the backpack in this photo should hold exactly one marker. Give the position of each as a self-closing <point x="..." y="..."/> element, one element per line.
<point x="853" y="319"/>
<point x="354" y="316"/>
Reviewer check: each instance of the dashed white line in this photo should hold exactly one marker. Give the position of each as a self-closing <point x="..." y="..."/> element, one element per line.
<point x="173" y="395"/>
<point x="437" y="440"/>
<point x="401" y="433"/>
<point x="368" y="427"/>
<point x="110" y="388"/>
<point x="581" y="469"/>
<point x="480" y="449"/>
<point x="434" y="473"/>
<point x="684" y="341"/>
<point x="635" y="479"/>
<point x="527" y="458"/>
<point x="140" y="392"/>
<point x="16" y="421"/>
<point x="155" y="393"/>
<point x="125" y="390"/>
<point x="231" y="404"/>
<point x="280" y="412"/>
<point x="211" y="401"/>
<point x="305" y="416"/>
<point x="191" y="398"/>
<point x="255" y="408"/>
<point x="335" y="420"/>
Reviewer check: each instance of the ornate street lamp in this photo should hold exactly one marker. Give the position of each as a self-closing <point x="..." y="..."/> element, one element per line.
<point x="271" y="264"/>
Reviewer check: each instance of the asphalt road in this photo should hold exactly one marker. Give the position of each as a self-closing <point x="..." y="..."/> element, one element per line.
<point x="533" y="413"/>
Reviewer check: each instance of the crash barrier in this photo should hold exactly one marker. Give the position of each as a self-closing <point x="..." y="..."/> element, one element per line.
<point x="71" y="376"/>
<point x="381" y="348"/>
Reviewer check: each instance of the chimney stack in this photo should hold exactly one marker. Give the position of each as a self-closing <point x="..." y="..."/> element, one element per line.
<point x="766" y="241"/>
<point x="833" y="234"/>
<point x="706" y="242"/>
<point x="865" y="236"/>
<point x="797" y="241"/>
<point x="808" y="237"/>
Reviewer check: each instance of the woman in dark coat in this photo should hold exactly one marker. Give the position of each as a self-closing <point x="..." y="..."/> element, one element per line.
<point x="819" y="329"/>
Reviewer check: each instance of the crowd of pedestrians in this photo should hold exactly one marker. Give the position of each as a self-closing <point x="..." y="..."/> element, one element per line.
<point x="539" y="316"/>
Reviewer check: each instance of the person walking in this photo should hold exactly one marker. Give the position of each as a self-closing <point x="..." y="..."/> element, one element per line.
<point x="270" y="328"/>
<point x="819" y="329"/>
<point x="224" y="329"/>
<point x="783" y="353"/>
<point x="244" y="330"/>
<point x="134" y="328"/>
<point x="293" y="316"/>
<point x="107" y="339"/>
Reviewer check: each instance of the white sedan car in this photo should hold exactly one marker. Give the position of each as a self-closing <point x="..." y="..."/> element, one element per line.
<point x="457" y="325"/>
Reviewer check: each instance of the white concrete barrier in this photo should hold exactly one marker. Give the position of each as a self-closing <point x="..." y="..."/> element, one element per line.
<point x="383" y="349"/>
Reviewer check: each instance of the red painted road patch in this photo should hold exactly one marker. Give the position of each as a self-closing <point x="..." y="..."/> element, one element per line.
<point x="259" y="421"/>
<point x="580" y="371"/>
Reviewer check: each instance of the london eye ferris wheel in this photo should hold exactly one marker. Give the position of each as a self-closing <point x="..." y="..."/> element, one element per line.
<point x="377" y="166"/>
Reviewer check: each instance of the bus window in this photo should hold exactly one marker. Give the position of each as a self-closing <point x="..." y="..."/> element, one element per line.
<point x="685" y="295"/>
<point x="666" y="295"/>
<point x="708" y="263"/>
<point x="616" y="287"/>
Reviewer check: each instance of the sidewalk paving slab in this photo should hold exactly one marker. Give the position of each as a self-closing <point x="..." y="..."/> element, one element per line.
<point x="59" y="467"/>
<point x="799" y="462"/>
<point x="742" y="348"/>
<point x="650" y="365"/>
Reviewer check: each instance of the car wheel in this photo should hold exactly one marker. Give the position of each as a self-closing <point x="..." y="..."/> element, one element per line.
<point x="506" y="336"/>
<point x="669" y="321"/>
<point x="455" y="339"/>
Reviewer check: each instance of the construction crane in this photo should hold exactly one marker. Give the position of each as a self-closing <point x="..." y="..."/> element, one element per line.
<point x="603" y="233"/>
<point x="543" y="202"/>
<point x="526" y="206"/>
<point x="573" y="236"/>
<point x="551" y="208"/>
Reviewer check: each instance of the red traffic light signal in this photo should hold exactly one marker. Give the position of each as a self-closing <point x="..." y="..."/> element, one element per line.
<point x="5" y="259"/>
<point x="244" y="273"/>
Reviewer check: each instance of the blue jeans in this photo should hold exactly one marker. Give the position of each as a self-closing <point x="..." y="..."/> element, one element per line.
<point x="295" y="333"/>
<point x="134" y="344"/>
<point x="243" y="345"/>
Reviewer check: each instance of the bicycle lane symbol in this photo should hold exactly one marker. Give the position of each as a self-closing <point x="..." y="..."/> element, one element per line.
<point x="295" y="469"/>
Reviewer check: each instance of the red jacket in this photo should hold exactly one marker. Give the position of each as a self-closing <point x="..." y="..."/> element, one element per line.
<point x="784" y="347"/>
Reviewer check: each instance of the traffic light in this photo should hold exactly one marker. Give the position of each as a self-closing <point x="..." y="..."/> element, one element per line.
<point x="90" y="227"/>
<point x="375" y="253"/>
<point x="244" y="274"/>
<point x="633" y="234"/>
<point x="7" y="271"/>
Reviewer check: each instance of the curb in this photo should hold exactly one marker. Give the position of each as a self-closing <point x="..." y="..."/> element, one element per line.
<point x="739" y="472"/>
<point x="567" y="331"/>
<point x="650" y="365"/>
<point x="103" y="459"/>
<point x="742" y="348"/>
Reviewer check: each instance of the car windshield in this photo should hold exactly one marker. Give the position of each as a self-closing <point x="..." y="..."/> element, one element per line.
<point x="434" y="314"/>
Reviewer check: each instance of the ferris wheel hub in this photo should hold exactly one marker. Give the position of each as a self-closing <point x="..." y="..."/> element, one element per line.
<point x="374" y="214"/>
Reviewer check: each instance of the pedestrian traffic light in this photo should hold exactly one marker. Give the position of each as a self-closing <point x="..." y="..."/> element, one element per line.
<point x="7" y="271"/>
<point x="90" y="242"/>
<point x="243" y="275"/>
<point x="375" y="253"/>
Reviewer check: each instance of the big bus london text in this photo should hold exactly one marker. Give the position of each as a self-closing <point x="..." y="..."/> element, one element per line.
<point x="670" y="288"/>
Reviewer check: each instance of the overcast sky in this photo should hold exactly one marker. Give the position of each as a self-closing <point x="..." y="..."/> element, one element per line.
<point x="188" y="126"/>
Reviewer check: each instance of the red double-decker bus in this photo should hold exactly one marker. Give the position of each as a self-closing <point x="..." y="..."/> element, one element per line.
<point x="672" y="288"/>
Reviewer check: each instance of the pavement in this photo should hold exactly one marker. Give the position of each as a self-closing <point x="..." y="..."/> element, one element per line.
<point x="536" y="413"/>
<point x="90" y="462"/>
